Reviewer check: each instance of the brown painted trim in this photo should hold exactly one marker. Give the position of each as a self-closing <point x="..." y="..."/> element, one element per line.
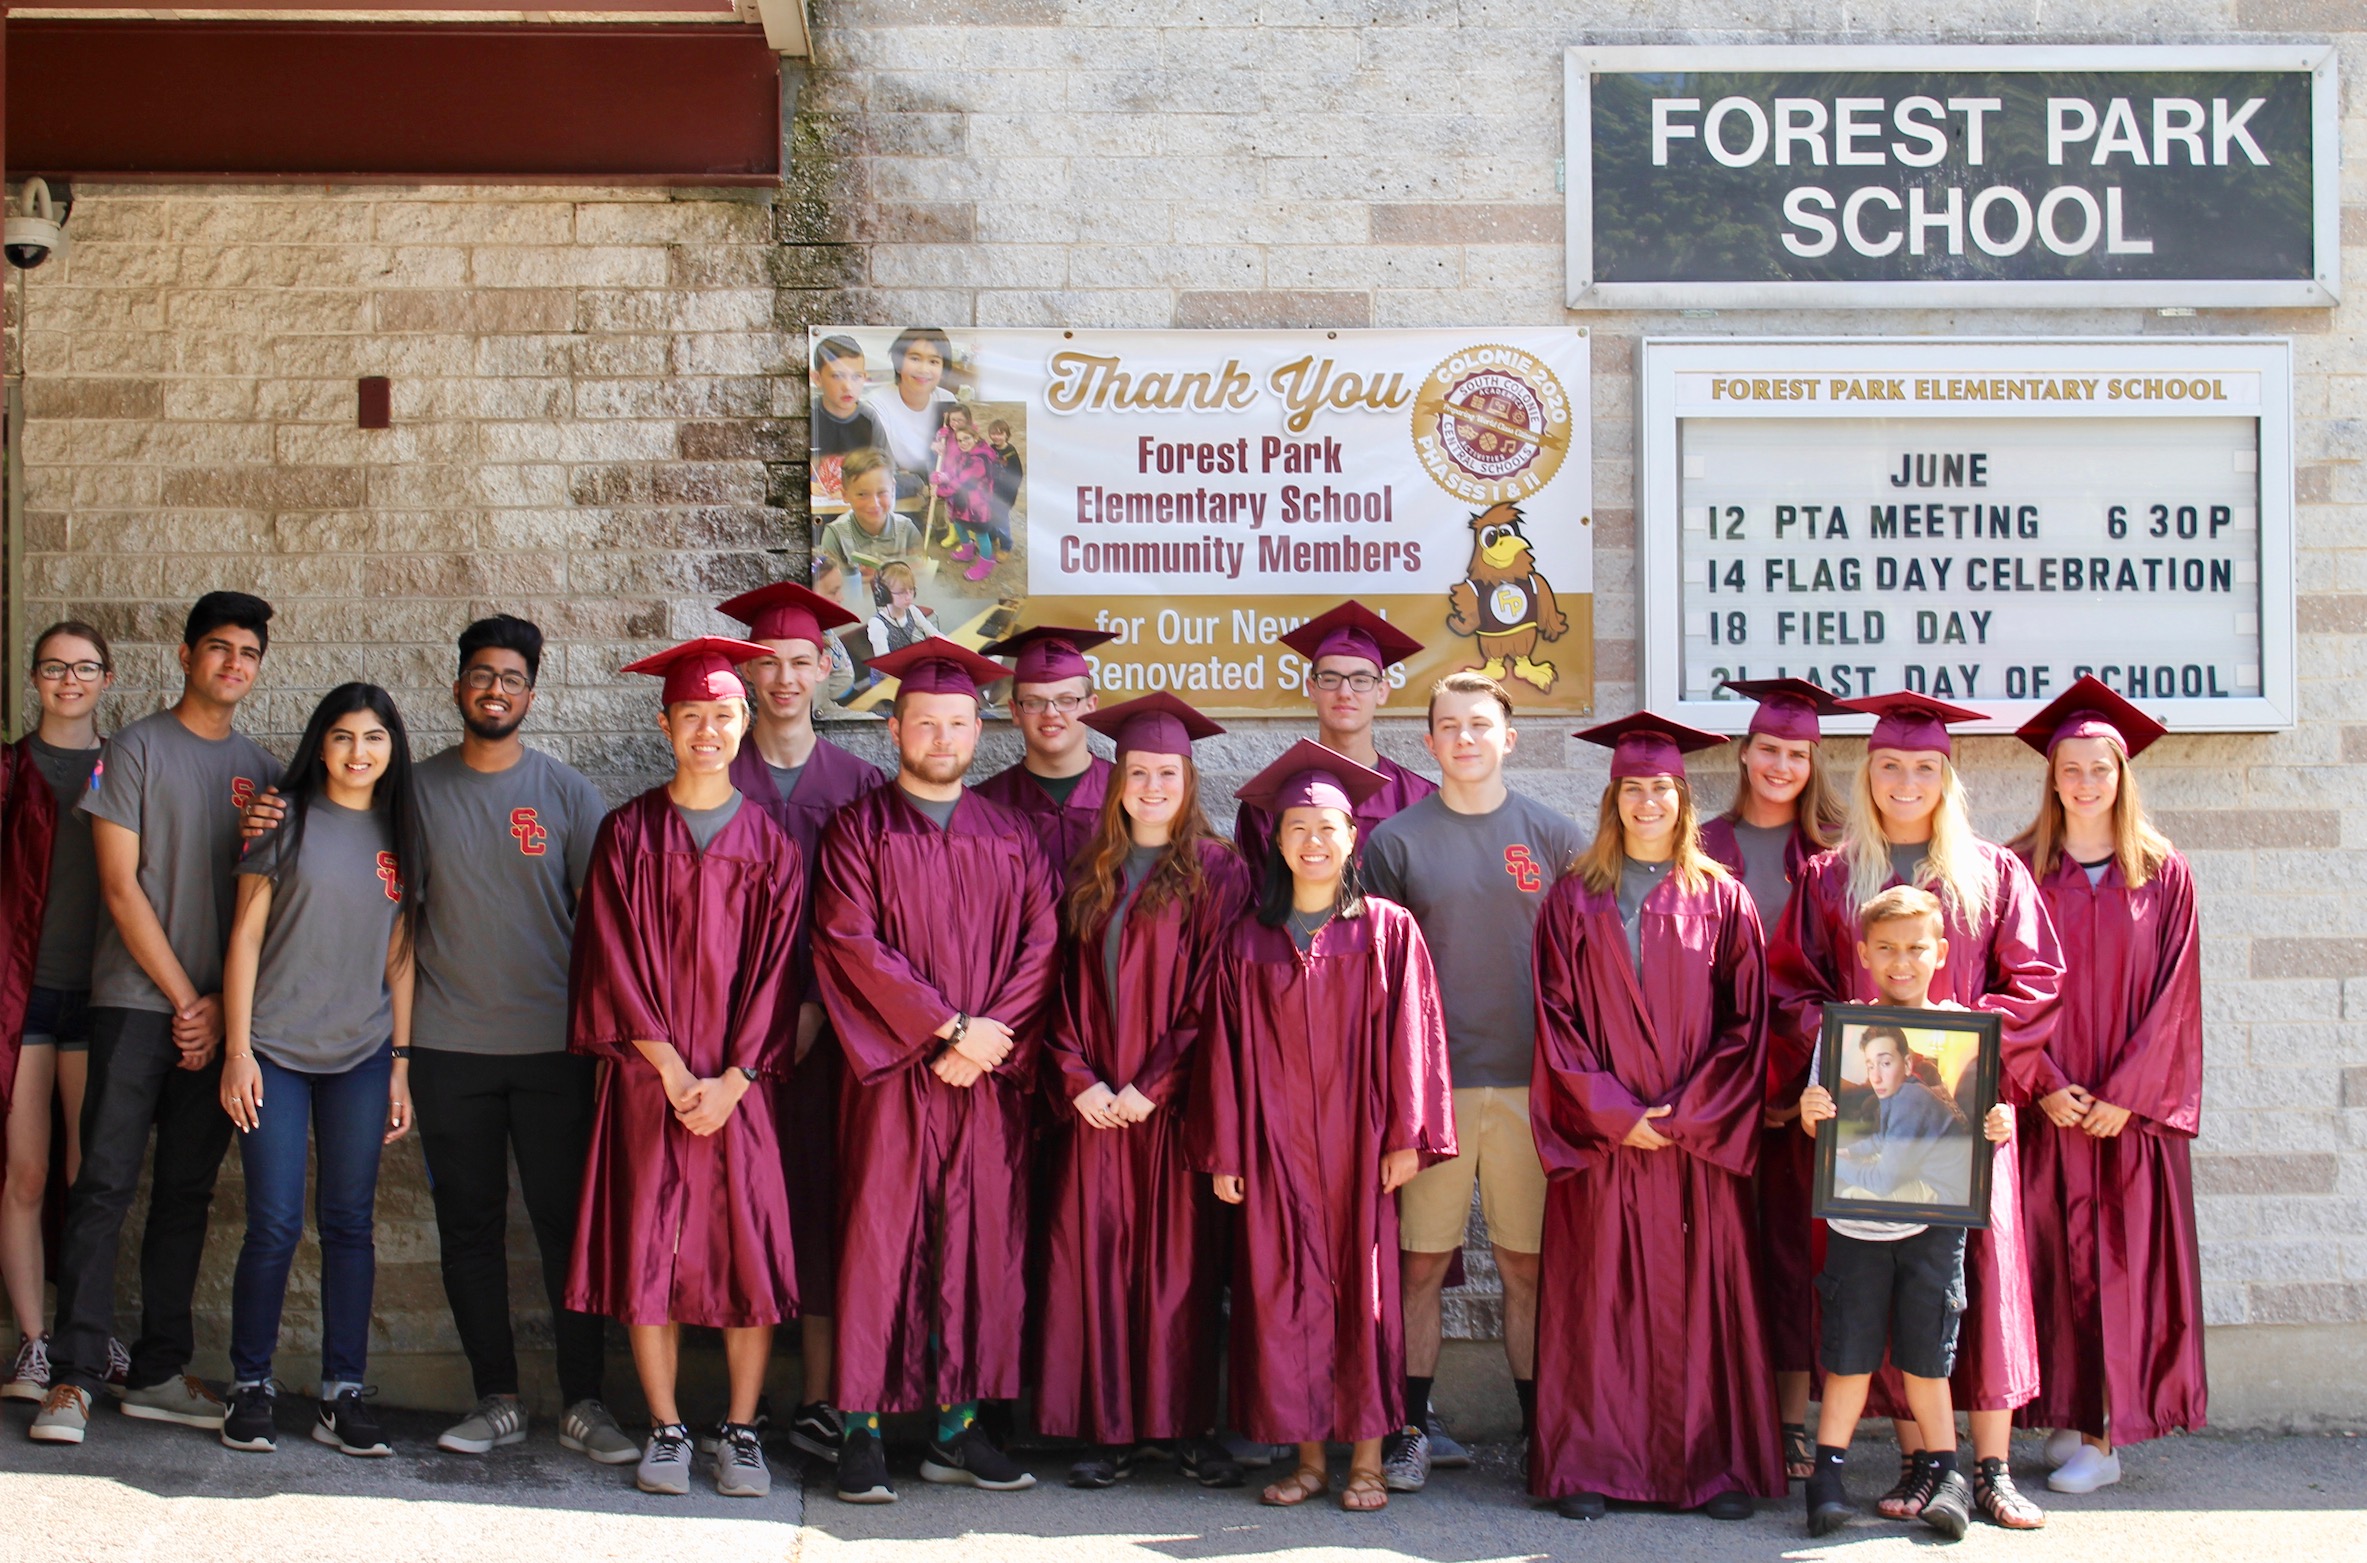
<point x="681" y="104"/>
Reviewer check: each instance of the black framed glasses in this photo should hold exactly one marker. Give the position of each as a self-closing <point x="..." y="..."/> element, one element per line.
<point x="57" y="672"/>
<point x="1037" y="705"/>
<point x="511" y="681"/>
<point x="1362" y="683"/>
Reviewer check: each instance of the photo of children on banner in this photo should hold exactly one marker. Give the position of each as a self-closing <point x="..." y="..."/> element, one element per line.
<point x="1910" y="1091"/>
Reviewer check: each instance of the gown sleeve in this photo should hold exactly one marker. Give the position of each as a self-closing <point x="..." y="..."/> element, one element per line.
<point x="1421" y="1097"/>
<point x="764" y="1033"/>
<point x="1214" y="1131"/>
<point x="885" y="1013"/>
<point x="1578" y="1109"/>
<point x="1030" y="988"/>
<point x="1803" y="954"/>
<point x="615" y="986"/>
<point x="2158" y="1072"/>
<point x="2025" y="983"/>
<point x="1066" y="1071"/>
<point x="1716" y="1112"/>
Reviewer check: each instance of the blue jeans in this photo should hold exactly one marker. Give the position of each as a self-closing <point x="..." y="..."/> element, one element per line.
<point x="345" y="1117"/>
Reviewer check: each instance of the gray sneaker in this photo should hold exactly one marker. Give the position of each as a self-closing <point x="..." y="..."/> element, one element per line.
<point x="1445" y="1453"/>
<point x="184" y="1400"/>
<point x="63" y="1417"/>
<point x="665" y="1464"/>
<point x="589" y="1429"/>
<point x="740" y="1471"/>
<point x="498" y="1421"/>
<point x="1405" y="1460"/>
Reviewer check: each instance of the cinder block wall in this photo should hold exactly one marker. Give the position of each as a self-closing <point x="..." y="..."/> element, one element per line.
<point x="599" y="421"/>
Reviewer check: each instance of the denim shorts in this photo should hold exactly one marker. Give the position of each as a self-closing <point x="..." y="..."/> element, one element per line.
<point x="59" y="1018"/>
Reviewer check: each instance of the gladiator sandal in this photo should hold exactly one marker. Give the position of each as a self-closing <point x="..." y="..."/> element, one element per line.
<point x="1998" y="1498"/>
<point x="1799" y="1453"/>
<point x="1918" y="1476"/>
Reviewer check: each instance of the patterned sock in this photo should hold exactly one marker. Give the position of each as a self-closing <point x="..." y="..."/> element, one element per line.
<point x="860" y="1422"/>
<point x="953" y="1420"/>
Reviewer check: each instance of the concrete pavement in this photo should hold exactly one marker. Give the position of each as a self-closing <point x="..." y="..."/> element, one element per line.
<point x="138" y="1491"/>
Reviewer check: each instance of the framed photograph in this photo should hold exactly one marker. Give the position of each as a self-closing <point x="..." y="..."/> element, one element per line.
<point x="1912" y="1087"/>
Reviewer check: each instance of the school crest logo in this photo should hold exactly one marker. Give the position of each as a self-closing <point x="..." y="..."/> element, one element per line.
<point x="389" y="876"/>
<point x="527" y="827"/>
<point x="242" y="793"/>
<point x="1523" y="868"/>
<point x="1492" y="424"/>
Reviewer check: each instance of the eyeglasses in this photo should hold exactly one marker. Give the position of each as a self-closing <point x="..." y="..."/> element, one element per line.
<point x="1037" y="705"/>
<point x="1362" y="683"/>
<point x="82" y="672"/>
<point x="511" y="681"/>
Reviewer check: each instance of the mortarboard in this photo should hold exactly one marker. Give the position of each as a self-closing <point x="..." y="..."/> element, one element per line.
<point x="700" y="669"/>
<point x="1788" y="707"/>
<point x="787" y="611"/>
<point x="1048" y="653"/>
<point x="938" y="666"/>
<point x="1911" y="722"/>
<point x="1158" y="723"/>
<point x="1648" y="745"/>
<point x="1310" y="776"/>
<point x="2090" y="709"/>
<point x="1352" y="630"/>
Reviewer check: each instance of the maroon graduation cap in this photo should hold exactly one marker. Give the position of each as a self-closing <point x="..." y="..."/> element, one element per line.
<point x="701" y="669"/>
<point x="1910" y="721"/>
<point x="1788" y="707"/>
<point x="1648" y="745"/>
<point x="1310" y="776"/>
<point x="1049" y="652"/>
<point x="1158" y="723"/>
<point x="938" y="666"/>
<point x="787" y="611"/>
<point x="1352" y="630"/>
<point x="2090" y="709"/>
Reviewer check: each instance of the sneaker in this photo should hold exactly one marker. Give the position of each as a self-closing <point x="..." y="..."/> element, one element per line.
<point x="118" y="1366"/>
<point x="817" y="1429"/>
<point x="2086" y="1471"/>
<point x="2061" y="1445"/>
<point x="740" y="1471"/>
<point x="1445" y="1453"/>
<point x="1405" y="1460"/>
<point x="1582" y="1506"/>
<point x="1247" y="1454"/>
<point x="589" y="1429"/>
<point x="665" y="1464"/>
<point x="250" y="1422"/>
<point x="1097" y="1470"/>
<point x="863" y="1469"/>
<point x="184" y="1401"/>
<point x="498" y="1421"/>
<point x="1209" y="1463"/>
<point x="711" y="1439"/>
<point x="28" y="1375"/>
<point x="1949" y="1508"/>
<point x="63" y="1417"/>
<point x="348" y="1425"/>
<point x="970" y="1460"/>
<point x="1996" y="1496"/>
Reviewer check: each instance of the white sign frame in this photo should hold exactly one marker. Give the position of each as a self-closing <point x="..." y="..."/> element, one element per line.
<point x="1581" y="62"/>
<point x="1659" y="484"/>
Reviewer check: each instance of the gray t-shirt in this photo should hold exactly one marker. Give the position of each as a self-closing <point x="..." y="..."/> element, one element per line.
<point x="1139" y="863"/>
<point x="1475" y="883"/>
<point x="70" y="917"/>
<point x="507" y="853"/>
<point x="1763" y="848"/>
<point x="1637" y="881"/>
<point x="2095" y="870"/>
<point x="182" y="794"/>
<point x="706" y="824"/>
<point x="321" y="1001"/>
<point x="941" y="813"/>
<point x="1906" y="856"/>
<point x="785" y="778"/>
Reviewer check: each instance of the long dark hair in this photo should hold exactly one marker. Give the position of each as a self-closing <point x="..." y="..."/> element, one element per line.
<point x="307" y="778"/>
<point x="1273" y="903"/>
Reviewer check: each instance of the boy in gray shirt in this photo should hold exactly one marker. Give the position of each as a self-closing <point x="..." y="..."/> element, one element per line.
<point x="165" y="832"/>
<point x="1472" y="862"/>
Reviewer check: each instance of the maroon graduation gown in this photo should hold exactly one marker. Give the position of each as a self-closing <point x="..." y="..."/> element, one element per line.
<point x="1312" y="1068"/>
<point x="28" y="829"/>
<point x="807" y="1108"/>
<point x="2115" y="1271"/>
<point x="1063" y="827"/>
<point x="2010" y="965"/>
<point x="1253" y="829"/>
<point x="914" y="924"/>
<point x="1791" y="1247"/>
<point x="689" y="948"/>
<point x="1652" y="1381"/>
<point x="1126" y="1325"/>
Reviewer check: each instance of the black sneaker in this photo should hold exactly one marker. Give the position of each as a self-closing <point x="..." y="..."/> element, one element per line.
<point x="817" y="1429"/>
<point x="1732" y="1504"/>
<point x="1097" y="1470"/>
<point x="349" y="1426"/>
<point x="972" y="1460"/>
<point x="1208" y="1462"/>
<point x="863" y="1469"/>
<point x="250" y="1423"/>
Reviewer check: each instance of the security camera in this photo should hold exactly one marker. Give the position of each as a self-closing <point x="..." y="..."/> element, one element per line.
<point x="37" y="229"/>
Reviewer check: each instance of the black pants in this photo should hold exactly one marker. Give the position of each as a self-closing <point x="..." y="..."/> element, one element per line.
<point x="137" y="1084"/>
<point x="473" y="1107"/>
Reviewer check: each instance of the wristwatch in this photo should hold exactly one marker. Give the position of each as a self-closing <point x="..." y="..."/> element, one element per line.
<point x="750" y="1074"/>
<point x="961" y="1029"/>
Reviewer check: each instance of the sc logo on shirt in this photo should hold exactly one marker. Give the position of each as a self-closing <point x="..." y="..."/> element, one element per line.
<point x="390" y="876"/>
<point x="527" y="827"/>
<point x="1523" y="868"/>
<point x="242" y="793"/>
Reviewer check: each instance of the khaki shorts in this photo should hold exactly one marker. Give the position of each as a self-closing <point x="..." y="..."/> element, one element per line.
<point x="1500" y="1155"/>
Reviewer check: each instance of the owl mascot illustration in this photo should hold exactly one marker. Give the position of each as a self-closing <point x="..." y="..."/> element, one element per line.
<point x="1503" y="604"/>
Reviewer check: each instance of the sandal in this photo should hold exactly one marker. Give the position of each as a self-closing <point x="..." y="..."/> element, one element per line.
<point x="1995" y="1494"/>
<point x="1799" y="1455"/>
<point x="1917" y="1478"/>
<point x="1297" y="1488"/>
<point x="1367" y="1490"/>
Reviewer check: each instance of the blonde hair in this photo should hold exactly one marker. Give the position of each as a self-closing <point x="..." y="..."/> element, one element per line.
<point x="1897" y="904"/>
<point x="1598" y="866"/>
<point x="860" y="463"/>
<point x="1819" y="816"/>
<point x="1951" y="864"/>
<point x="2136" y="845"/>
<point x="897" y="573"/>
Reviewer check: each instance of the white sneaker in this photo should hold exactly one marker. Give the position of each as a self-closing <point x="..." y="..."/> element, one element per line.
<point x="2061" y="1445"/>
<point x="2085" y="1471"/>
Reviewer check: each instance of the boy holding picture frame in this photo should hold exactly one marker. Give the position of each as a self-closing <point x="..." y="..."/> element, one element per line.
<point x="1894" y="1287"/>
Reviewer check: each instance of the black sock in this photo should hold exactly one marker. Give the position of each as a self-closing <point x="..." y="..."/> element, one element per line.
<point x="1525" y="1389"/>
<point x="1832" y="1456"/>
<point x="1417" y="1401"/>
<point x="1942" y="1460"/>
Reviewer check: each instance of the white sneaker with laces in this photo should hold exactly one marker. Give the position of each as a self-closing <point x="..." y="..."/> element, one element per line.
<point x="2061" y="1445"/>
<point x="2085" y="1471"/>
<point x="28" y="1375"/>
